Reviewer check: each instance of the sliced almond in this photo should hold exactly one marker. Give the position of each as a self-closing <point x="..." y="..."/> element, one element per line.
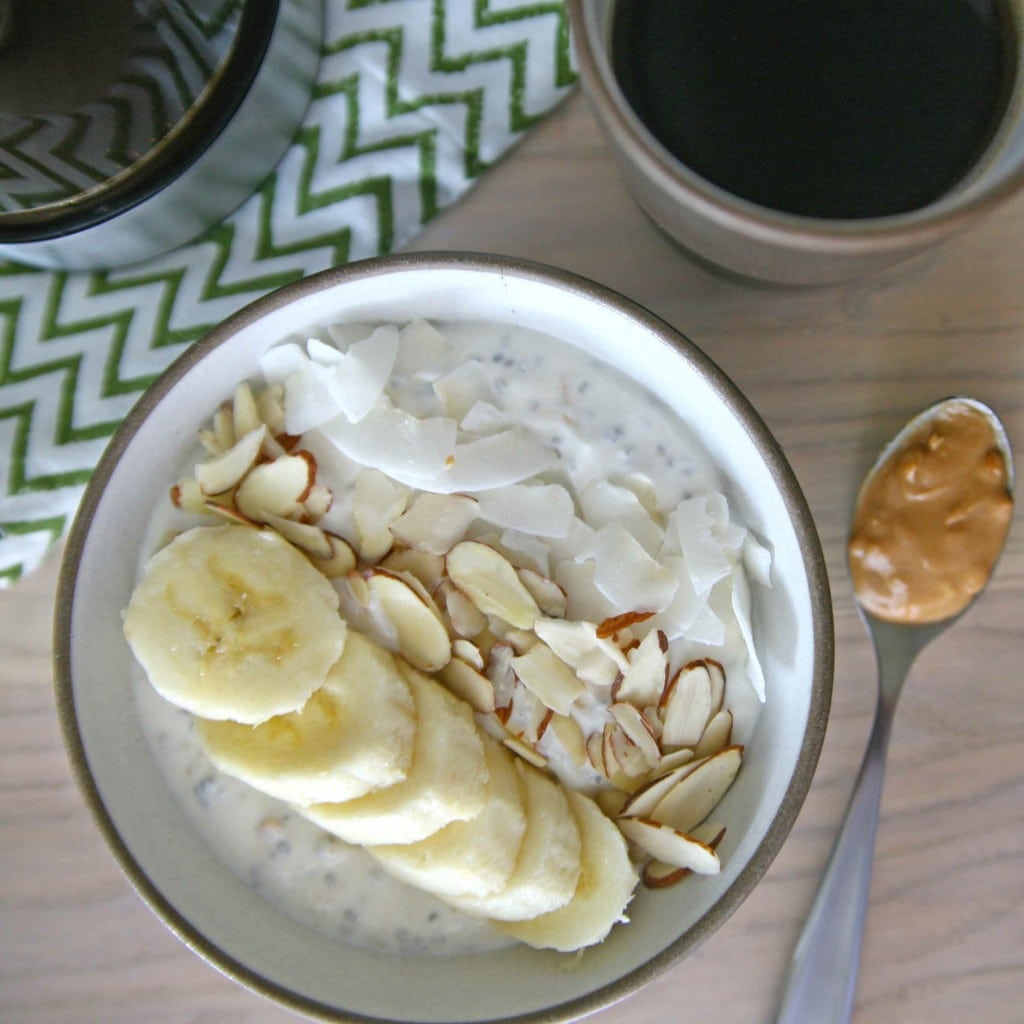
<point x="550" y="597"/>
<point x="342" y="559"/>
<point x="317" y="502"/>
<point x="270" y="408"/>
<point x="306" y="536"/>
<point x="670" y="846"/>
<point x="643" y="681"/>
<point x="419" y="631"/>
<point x="548" y="677"/>
<point x="377" y="501"/>
<point x="610" y="800"/>
<point x="224" y="428"/>
<point x="698" y="792"/>
<point x="633" y="725"/>
<point x="245" y="416"/>
<point x="569" y="640"/>
<point x="520" y="640"/>
<point x="226" y="510"/>
<point x="598" y="671"/>
<point x="628" y="755"/>
<point x="566" y="732"/>
<point x="499" y="672"/>
<point x="595" y="753"/>
<point x="615" y="623"/>
<point x="659" y="875"/>
<point x="469" y="653"/>
<point x="467" y="620"/>
<point x="673" y="759"/>
<point x="223" y="472"/>
<point x="358" y="588"/>
<point x="187" y="495"/>
<point x="428" y="569"/>
<point x="490" y="581"/>
<point x="716" y="675"/>
<point x="467" y="683"/>
<point x="650" y="794"/>
<point x="717" y="735"/>
<point x="435" y="522"/>
<point x="686" y="706"/>
<point x="278" y="487"/>
<point x="525" y="751"/>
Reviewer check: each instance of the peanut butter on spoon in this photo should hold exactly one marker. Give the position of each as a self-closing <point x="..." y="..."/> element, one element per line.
<point x="932" y="518"/>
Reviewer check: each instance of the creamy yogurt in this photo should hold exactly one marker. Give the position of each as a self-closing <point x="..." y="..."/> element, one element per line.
<point x="604" y="429"/>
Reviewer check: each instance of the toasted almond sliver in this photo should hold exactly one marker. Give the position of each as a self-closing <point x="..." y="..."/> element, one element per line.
<point x="467" y="620"/>
<point x="377" y="501"/>
<point x="673" y="759"/>
<point x="671" y="846"/>
<point x="633" y="725"/>
<point x="342" y="559"/>
<point x="419" y="631"/>
<point x="277" y="488"/>
<point x="550" y="597"/>
<point x="717" y="735"/>
<point x="686" y="707"/>
<point x="303" y="535"/>
<point x="525" y="751"/>
<point x="490" y="581"/>
<point x="615" y="623"/>
<point x="629" y="756"/>
<point x="569" y="736"/>
<point x="643" y="681"/>
<point x="651" y="793"/>
<point x="698" y="792"/>
<point x="468" y="684"/>
<point x="659" y="875"/>
<point x="187" y="495"/>
<point x="244" y="413"/>
<point x="223" y="472"/>
<point x="469" y="653"/>
<point x="428" y="569"/>
<point x="547" y="676"/>
<point x="595" y="752"/>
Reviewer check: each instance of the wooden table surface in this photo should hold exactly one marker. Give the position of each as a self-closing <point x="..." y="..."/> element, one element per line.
<point x="834" y="372"/>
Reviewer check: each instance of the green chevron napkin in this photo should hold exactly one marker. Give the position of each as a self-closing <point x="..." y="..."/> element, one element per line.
<point x="414" y="100"/>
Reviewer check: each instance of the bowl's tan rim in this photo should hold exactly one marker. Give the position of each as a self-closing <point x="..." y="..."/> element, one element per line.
<point x="912" y="231"/>
<point x="810" y="548"/>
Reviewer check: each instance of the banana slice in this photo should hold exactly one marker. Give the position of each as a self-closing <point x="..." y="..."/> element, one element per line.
<point x="447" y="780"/>
<point x="232" y="622"/>
<point x="473" y="857"/>
<point x="548" y="867"/>
<point x="606" y="885"/>
<point x="355" y="734"/>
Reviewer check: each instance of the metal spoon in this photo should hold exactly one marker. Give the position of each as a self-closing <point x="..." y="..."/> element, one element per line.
<point x="822" y="977"/>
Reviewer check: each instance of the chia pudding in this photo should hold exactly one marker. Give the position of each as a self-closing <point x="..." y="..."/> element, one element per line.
<point x="625" y="460"/>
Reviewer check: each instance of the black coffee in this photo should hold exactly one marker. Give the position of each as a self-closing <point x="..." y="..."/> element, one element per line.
<point x="825" y="108"/>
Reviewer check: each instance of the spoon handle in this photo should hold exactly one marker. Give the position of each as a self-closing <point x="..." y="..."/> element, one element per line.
<point x="822" y="978"/>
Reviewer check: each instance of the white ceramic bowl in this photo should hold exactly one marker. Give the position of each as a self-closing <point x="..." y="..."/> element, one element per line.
<point x="165" y="858"/>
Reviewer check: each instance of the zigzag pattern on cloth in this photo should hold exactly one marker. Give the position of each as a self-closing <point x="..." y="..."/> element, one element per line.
<point x="414" y="100"/>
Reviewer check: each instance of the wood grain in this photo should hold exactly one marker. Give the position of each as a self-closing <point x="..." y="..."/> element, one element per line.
<point x="834" y="372"/>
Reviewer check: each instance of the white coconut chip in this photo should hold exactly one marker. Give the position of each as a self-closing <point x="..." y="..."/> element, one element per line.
<point x="757" y="560"/>
<point x="707" y="559"/>
<point x="603" y="502"/>
<point x="423" y="352"/>
<point x="461" y="389"/>
<point x="495" y="461"/>
<point x="627" y="575"/>
<point x="360" y="379"/>
<point x="277" y="364"/>
<point x="741" y="609"/>
<point x="539" y="510"/>
<point x="411" y="450"/>
<point x="484" y="418"/>
<point x="345" y="334"/>
<point x="322" y="353"/>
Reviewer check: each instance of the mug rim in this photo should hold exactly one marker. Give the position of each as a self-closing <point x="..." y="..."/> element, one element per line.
<point x="912" y="230"/>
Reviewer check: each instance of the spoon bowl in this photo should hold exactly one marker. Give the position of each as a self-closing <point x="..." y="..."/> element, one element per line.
<point x="822" y="976"/>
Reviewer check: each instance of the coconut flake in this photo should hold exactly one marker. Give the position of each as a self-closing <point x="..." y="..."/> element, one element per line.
<point x="461" y="389"/>
<point x="277" y="364"/>
<point x="539" y="510"/>
<point x="501" y="459"/>
<point x="707" y="560"/>
<point x="603" y="502"/>
<point x="413" y="451"/>
<point x="484" y="418"/>
<point x="627" y="575"/>
<point x="757" y="560"/>
<point x="741" y="609"/>
<point x="423" y="352"/>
